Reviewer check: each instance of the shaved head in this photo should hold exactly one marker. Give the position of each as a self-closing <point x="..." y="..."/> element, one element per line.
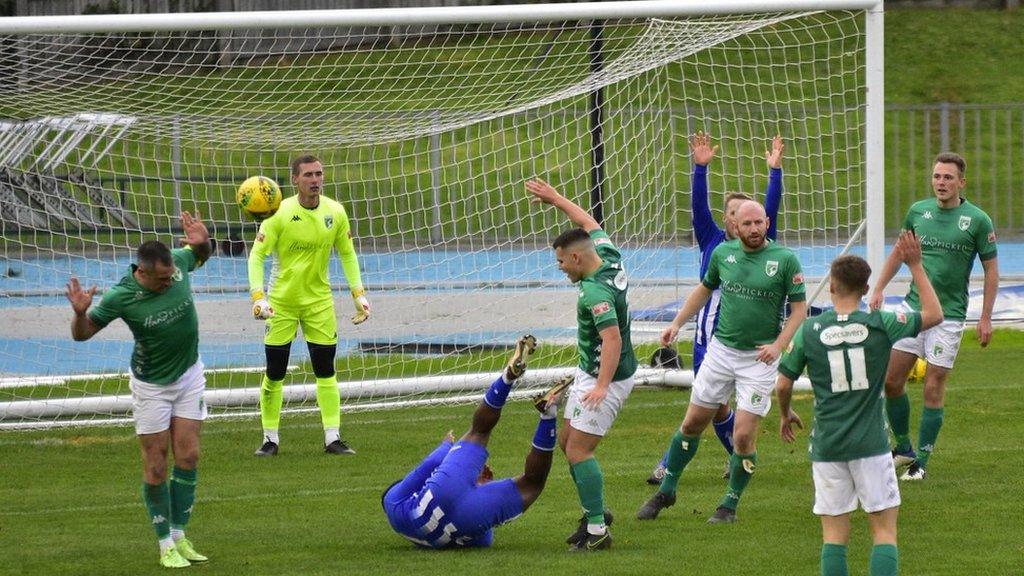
<point x="751" y="225"/>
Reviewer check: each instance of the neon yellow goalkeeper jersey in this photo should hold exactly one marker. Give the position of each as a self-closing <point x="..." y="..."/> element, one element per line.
<point x="301" y="239"/>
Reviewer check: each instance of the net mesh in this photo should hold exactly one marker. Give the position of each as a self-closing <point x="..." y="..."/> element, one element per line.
<point x="427" y="135"/>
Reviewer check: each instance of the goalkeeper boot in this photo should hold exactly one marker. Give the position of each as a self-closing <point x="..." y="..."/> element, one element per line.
<point x="723" y="515"/>
<point x="581" y="530"/>
<point x="593" y="542"/>
<point x="903" y="459"/>
<point x="187" y="552"/>
<point x="657" y="475"/>
<point x="914" y="473"/>
<point x="171" y="558"/>
<point x="656" y="503"/>
<point x="339" y="447"/>
<point x="516" y="366"/>
<point x="267" y="449"/>
<point x="551" y="396"/>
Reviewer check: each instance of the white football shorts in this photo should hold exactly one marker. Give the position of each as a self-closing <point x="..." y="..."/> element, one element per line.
<point x="153" y="405"/>
<point x="938" y="345"/>
<point x="839" y="486"/>
<point x="726" y="371"/>
<point x="599" y="421"/>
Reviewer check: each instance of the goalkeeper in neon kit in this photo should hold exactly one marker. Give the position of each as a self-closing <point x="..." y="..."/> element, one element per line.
<point x="301" y="234"/>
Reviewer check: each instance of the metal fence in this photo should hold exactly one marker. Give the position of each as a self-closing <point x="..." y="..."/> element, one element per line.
<point x="989" y="137"/>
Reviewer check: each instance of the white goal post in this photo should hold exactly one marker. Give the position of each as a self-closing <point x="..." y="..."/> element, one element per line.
<point x="428" y="120"/>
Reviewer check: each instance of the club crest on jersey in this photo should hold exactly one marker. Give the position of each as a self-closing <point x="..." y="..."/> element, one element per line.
<point x="600" y="308"/>
<point x="620" y="280"/>
<point x="965" y="222"/>
<point x="849" y="334"/>
<point x="328" y="222"/>
<point x="177" y="275"/>
<point x="771" y="268"/>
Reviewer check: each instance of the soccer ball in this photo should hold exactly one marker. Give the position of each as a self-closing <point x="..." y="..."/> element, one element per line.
<point x="259" y="197"/>
<point x="917" y="372"/>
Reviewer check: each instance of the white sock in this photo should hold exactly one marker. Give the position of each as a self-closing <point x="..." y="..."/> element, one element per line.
<point x="505" y="377"/>
<point x="597" y="529"/>
<point x="330" y="435"/>
<point x="271" y="435"/>
<point x="177" y="534"/>
<point x="166" y="544"/>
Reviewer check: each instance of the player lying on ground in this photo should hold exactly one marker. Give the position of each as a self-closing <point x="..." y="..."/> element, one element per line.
<point x="450" y="500"/>
<point x="846" y="352"/>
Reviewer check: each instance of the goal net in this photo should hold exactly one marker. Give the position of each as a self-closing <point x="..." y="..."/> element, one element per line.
<point x="427" y="133"/>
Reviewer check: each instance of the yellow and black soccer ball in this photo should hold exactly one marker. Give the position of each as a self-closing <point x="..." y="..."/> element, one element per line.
<point x="259" y="197"/>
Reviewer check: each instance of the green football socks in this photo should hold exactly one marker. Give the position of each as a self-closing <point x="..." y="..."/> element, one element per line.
<point x="680" y="452"/>
<point x="158" y="504"/>
<point x="931" y="423"/>
<point x="741" y="468"/>
<point x="270" y="403"/>
<point x="833" y="560"/>
<point x="183" y="495"/>
<point x="329" y="400"/>
<point x="898" y="410"/>
<point x="590" y="487"/>
<point x="885" y="560"/>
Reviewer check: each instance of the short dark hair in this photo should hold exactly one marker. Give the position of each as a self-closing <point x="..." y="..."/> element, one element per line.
<point x="850" y="274"/>
<point x="300" y="160"/>
<point x="570" y="237"/>
<point x="953" y="158"/>
<point x="734" y="196"/>
<point x="152" y="252"/>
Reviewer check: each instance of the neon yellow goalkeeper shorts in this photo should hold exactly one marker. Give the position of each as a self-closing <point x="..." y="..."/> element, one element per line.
<point x="319" y="325"/>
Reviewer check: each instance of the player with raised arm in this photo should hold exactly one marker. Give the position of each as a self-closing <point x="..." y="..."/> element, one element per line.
<point x="756" y="278"/>
<point x="709" y="236"/>
<point x="845" y="352"/>
<point x="450" y="500"/>
<point x="604" y="377"/>
<point x="952" y="231"/>
<point x="166" y="374"/>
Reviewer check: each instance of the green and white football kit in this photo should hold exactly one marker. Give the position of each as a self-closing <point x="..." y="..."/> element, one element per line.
<point x="166" y="372"/>
<point x="754" y="288"/>
<point x="846" y="357"/>
<point x="602" y="302"/>
<point x="950" y="240"/>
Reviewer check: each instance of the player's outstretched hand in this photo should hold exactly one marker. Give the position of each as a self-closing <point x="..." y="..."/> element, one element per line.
<point x="701" y="149"/>
<point x="80" y="299"/>
<point x="786" y="423"/>
<point x="909" y="248"/>
<point x="542" y="191"/>
<point x="362" y="307"/>
<point x="194" y="229"/>
<point x="774" y="156"/>
<point x="768" y="353"/>
<point x="875" y="302"/>
<point x="668" y="335"/>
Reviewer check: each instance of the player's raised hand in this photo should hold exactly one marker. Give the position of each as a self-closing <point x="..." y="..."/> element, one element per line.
<point x="194" y="230"/>
<point x="80" y="299"/>
<point x="542" y="191"/>
<point x="768" y="353"/>
<point x="701" y="149"/>
<point x="876" y="300"/>
<point x="774" y="156"/>
<point x="668" y="335"/>
<point x="786" y="423"/>
<point x="909" y="248"/>
<point x="362" y="307"/>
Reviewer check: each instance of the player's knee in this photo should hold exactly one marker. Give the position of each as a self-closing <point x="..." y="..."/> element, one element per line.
<point x="188" y="458"/>
<point x="744" y="442"/>
<point x="530" y="487"/>
<point x="321" y="356"/>
<point x="277" y="361"/>
<point x="155" y="472"/>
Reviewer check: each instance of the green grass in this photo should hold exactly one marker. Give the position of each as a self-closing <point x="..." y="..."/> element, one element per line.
<point x="72" y="500"/>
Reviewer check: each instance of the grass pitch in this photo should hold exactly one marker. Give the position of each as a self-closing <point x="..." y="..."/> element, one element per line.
<point x="72" y="503"/>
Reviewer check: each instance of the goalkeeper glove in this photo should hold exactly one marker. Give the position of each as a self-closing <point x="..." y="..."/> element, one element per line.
<point x="362" y="306"/>
<point x="261" y="309"/>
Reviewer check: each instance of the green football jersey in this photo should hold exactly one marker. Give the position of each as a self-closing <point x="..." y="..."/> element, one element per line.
<point x="602" y="303"/>
<point x="950" y="238"/>
<point x="754" y="289"/>
<point x="846" y="358"/>
<point x="302" y="239"/>
<point x="165" y="324"/>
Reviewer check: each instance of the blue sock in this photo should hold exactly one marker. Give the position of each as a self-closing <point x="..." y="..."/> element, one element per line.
<point x="544" y="437"/>
<point x="664" y="460"/>
<point x="498" y="392"/>
<point x="723" y="430"/>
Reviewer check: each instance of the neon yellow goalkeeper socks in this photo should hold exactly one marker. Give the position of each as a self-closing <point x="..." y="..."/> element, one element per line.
<point x="329" y="400"/>
<point x="270" y="403"/>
